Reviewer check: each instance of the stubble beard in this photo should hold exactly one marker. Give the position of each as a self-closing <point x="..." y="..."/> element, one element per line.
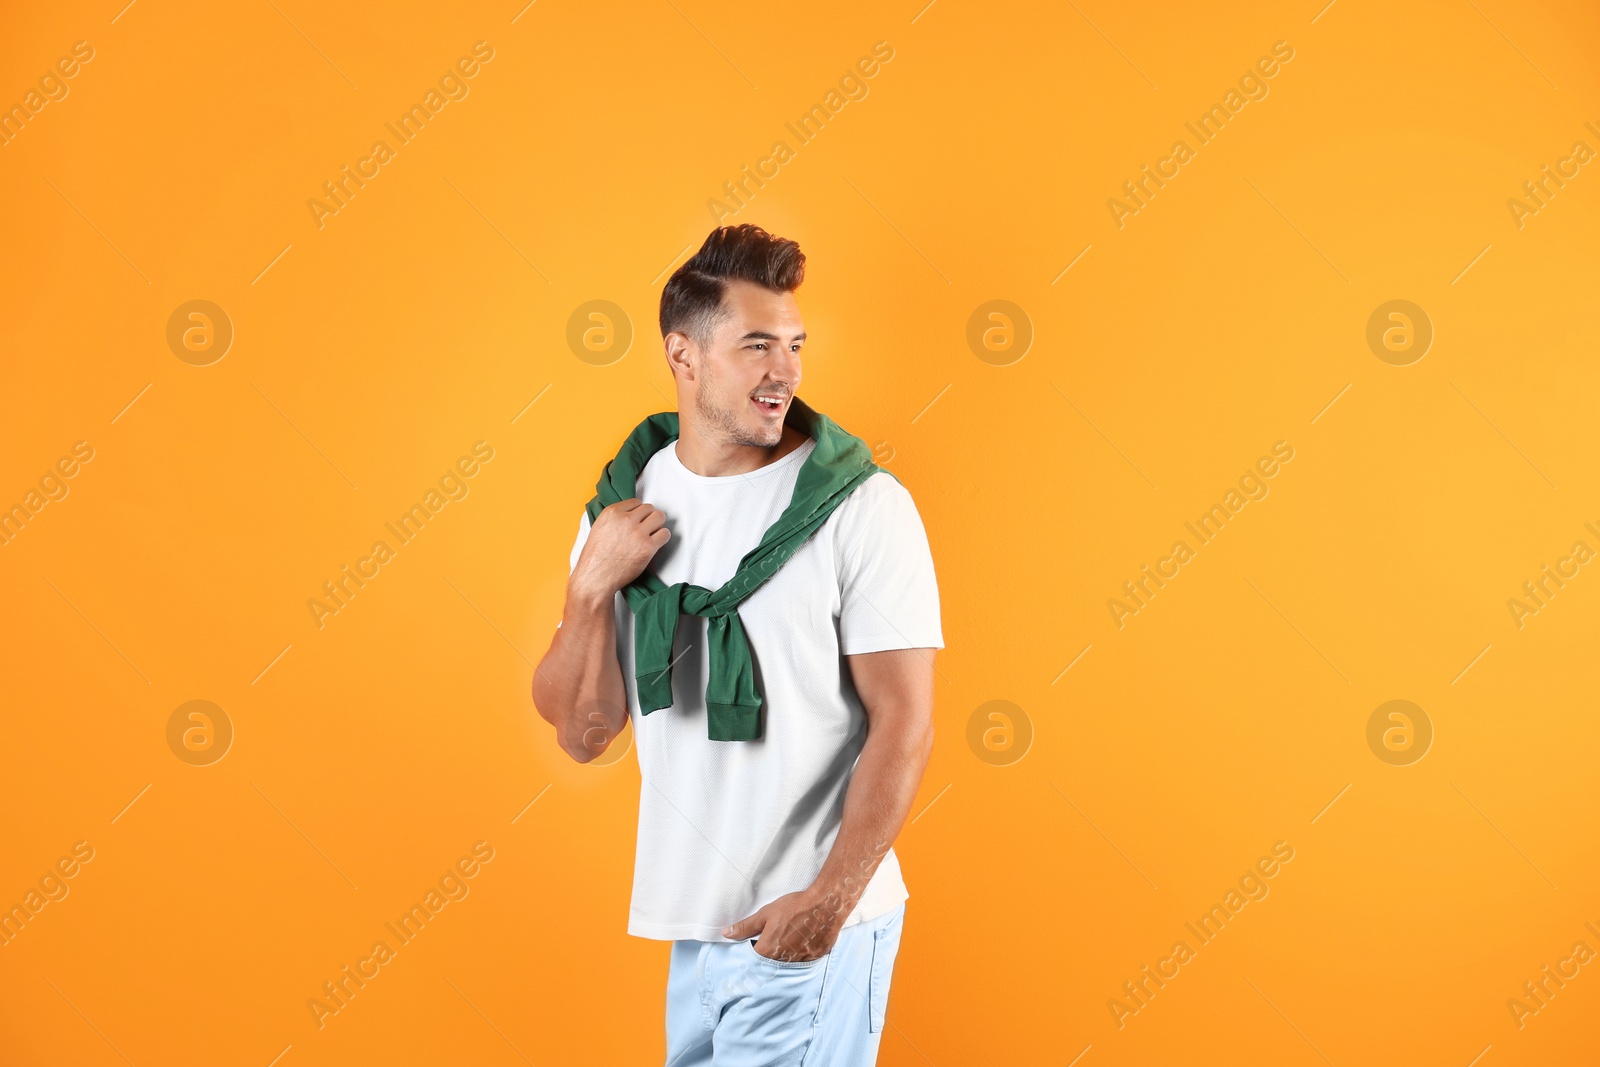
<point x="724" y="425"/>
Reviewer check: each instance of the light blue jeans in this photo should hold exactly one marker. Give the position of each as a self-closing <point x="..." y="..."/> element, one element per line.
<point x="728" y="1006"/>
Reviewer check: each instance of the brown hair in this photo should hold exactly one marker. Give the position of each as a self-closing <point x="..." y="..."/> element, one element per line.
<point x="692" y="298"/>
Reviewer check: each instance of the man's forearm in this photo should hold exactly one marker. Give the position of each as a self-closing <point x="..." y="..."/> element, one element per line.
<point x="879" y="798"/>
<point x="577" y="687"/>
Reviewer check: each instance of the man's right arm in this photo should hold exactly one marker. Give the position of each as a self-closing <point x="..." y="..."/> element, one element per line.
<point x="577" y="686"/>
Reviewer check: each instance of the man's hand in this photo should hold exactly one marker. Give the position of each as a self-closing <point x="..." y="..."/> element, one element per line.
<point x="621" y="543"/>
<point x="797" y="927"/>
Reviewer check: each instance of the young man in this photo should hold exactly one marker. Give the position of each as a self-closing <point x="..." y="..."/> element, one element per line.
<point x="759" y="595"/>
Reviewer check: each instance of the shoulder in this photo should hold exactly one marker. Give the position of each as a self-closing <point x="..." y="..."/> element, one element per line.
<point x="878" y="489"/>
<point x="880" y="505"/>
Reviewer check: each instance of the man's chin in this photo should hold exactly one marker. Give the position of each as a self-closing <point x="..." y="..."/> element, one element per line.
<point x="759" y="433"/>
<point x="759" y="438"/>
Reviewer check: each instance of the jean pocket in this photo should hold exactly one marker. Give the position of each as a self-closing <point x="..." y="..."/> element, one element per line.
<point x="800" y="964"/>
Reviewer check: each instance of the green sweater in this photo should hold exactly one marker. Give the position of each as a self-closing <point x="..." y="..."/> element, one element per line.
<point x="837" y="465"/>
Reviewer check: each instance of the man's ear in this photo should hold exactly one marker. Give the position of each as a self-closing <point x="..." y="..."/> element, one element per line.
<point x="682" y="354"/>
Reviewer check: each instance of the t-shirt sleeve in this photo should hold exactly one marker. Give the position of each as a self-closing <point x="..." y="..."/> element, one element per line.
<point x="577" y="546"/>
<point x="888" y="595"/>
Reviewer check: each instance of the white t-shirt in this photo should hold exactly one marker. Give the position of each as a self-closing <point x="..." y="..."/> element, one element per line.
<point x="726" y="827"/>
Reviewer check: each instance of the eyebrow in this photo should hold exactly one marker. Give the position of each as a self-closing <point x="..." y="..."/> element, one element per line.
<point x="756" y="335"/>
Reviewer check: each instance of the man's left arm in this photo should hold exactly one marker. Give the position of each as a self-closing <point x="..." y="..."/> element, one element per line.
<point x="896" y="690"/>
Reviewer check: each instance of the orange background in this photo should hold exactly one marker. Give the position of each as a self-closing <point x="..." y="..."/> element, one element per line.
<point x="372" y="352"/>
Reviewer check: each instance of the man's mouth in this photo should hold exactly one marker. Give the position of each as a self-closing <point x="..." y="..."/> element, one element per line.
<point x="768" y="403"/>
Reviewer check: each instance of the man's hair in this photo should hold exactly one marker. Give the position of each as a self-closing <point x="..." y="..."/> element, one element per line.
<point x="691" y="302"/>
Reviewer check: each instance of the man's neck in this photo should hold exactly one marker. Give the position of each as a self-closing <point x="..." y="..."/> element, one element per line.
<point x="716" y="459"/>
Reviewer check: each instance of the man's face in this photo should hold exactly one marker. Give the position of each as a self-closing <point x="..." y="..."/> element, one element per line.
<point x="750" y="368"/>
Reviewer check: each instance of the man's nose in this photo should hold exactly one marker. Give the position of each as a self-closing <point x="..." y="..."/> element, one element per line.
<point x="786" y="368"/>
